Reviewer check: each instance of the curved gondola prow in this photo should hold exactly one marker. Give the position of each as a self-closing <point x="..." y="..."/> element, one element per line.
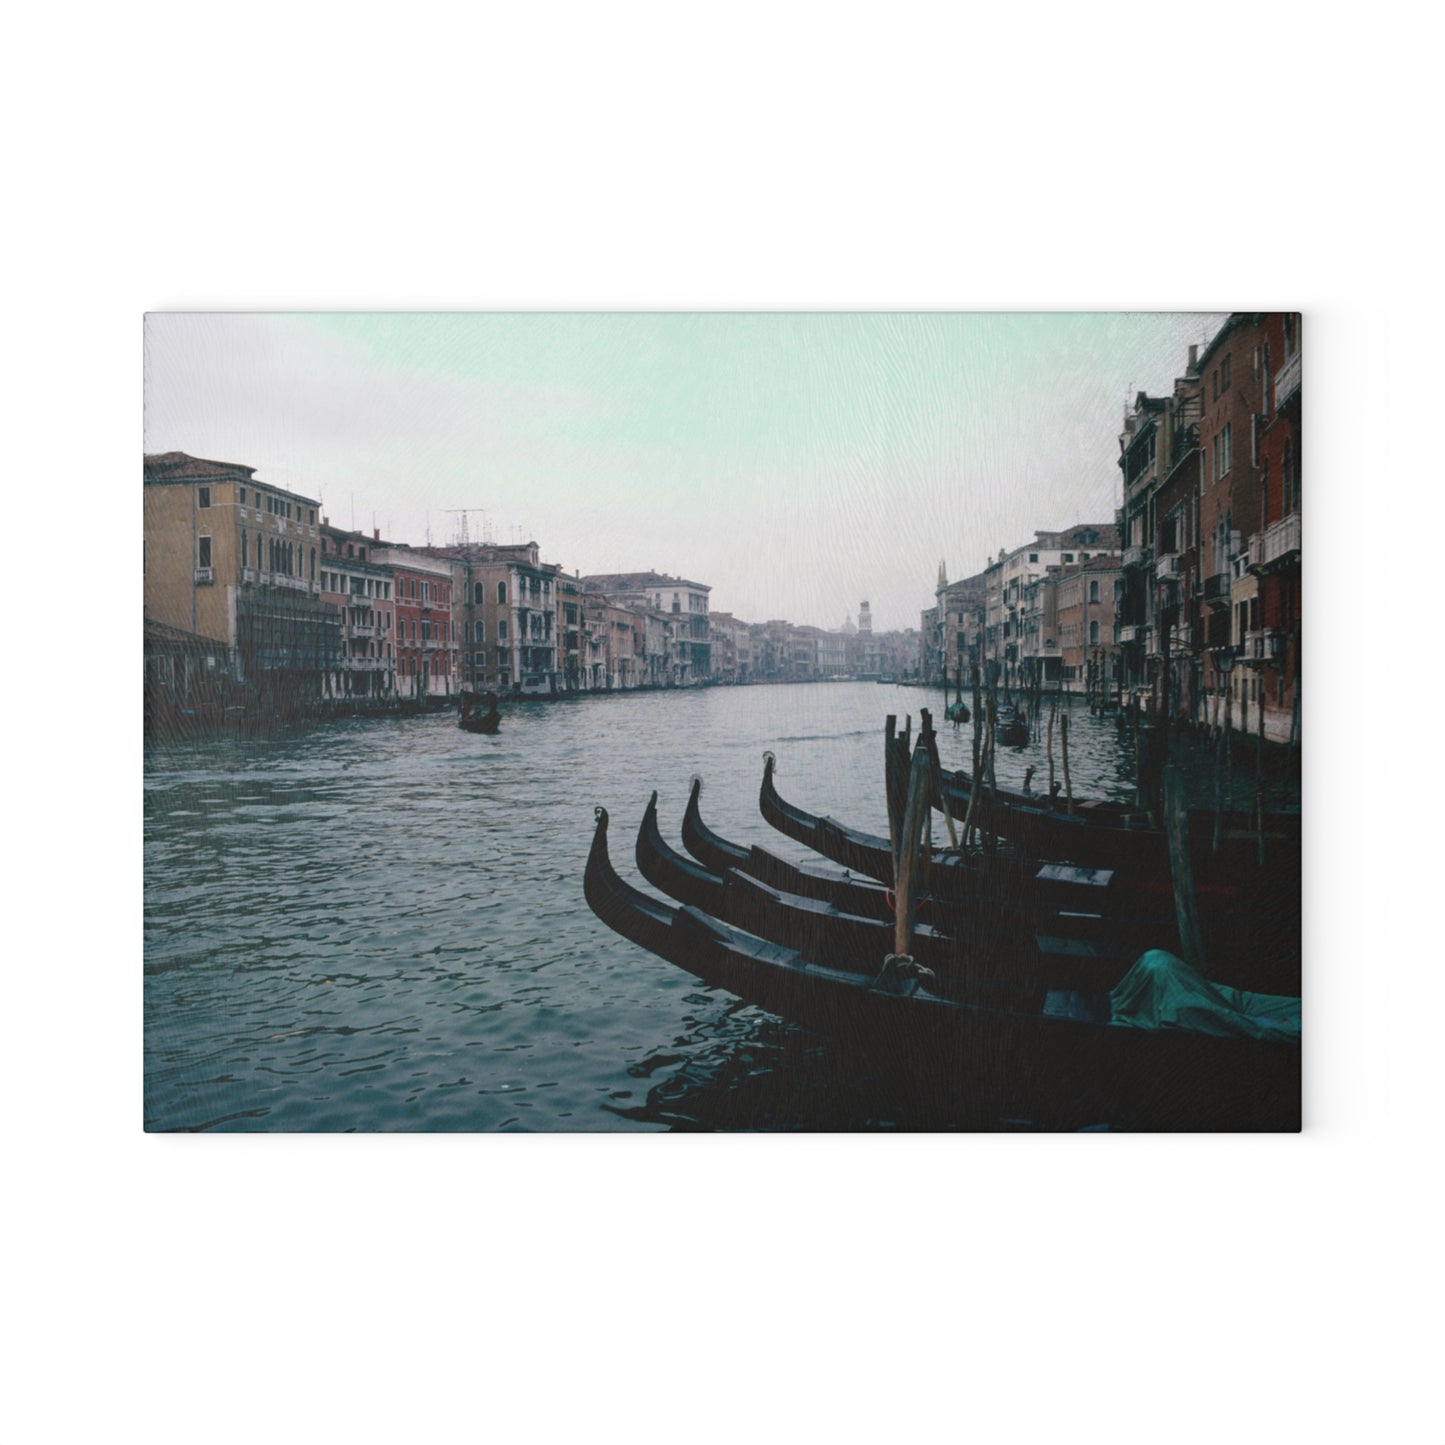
<point x="715" y="854"/>
<point x="623" y="908"/>
<point x="790" y="821"/>
<point x="667" y="870"/>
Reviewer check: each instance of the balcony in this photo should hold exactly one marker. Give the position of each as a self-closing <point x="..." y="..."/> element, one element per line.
<point x="1216" y="589"/>
<point x="203" y="577"/>
<point x="361" y="631"/>
<point x="1287" y="382"/>
<point x="1266" y="645"/>
<point x="1130" y="633"/>
<point x="1168" y="566"/>
<point x="294" y="584"/>
<point x="1276" y="546"/>
<point x="248" y="574"/>
<point x="1140" y="556"/>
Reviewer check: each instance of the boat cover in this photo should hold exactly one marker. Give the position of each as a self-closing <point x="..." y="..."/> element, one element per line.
<point x="1163" y="992"/>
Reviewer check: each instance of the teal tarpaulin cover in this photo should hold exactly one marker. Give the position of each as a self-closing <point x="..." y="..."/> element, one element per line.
<point x="1163" y="992"/>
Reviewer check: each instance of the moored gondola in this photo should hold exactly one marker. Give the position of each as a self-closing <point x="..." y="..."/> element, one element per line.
<point x="1117" y="835"/>
<point x="1000" y="951"/>
<point x="1165" y="1049"/>
<point x="1253" y="936"/>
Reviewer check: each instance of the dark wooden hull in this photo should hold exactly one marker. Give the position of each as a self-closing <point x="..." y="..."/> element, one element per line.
<point x="1062" y="1055"/>
<point x="1250" y="921"/>
<point x="1003" y="952"/>
<point x="1114" y="835"/>
<point x="487" y="724"/>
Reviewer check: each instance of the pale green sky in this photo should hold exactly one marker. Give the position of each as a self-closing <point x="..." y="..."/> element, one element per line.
<point x="796" y="462"/>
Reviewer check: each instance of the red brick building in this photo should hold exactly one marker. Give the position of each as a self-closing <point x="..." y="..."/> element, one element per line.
<point x="1272" y="645"/>
<point x="426" y="645"/>
<point x="1229" y="488"/>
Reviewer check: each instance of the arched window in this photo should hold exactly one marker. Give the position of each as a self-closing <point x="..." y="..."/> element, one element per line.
<point x="502" y="594"/>
<point x="313" y="564"/>
<point x="245" y="549"/>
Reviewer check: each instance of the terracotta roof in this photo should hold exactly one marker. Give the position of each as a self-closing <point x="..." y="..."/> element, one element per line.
<point x="180" y="467"/>
<point x="639" y="581"/>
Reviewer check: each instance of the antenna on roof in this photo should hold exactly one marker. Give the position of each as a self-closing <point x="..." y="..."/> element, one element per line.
<point x="463" y="537"/>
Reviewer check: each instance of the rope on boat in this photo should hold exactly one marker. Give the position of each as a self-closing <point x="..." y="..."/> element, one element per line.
<point x="902" y="966"/>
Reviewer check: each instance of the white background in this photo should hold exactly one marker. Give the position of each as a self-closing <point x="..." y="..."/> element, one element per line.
<point x="1075" y="1289"/>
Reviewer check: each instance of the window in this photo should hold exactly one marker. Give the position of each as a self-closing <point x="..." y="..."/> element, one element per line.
<point x="245" y="550"/>
<point x="203" y="551"/>
<point x="1287" y="476"/>
<point x="1093" y="634"/>
<point x="1068" y="556"/>
<point x="1033" y="556"/>
<point x="1224" y="374"/>
<point x="313" y="516"/>
<point x="501" y="594"/>
<point x="1093" y="591"/>
<point x="480" y="632"/>
<point x="203" y="496"/>
<point x="1264" y="495"/>
<point x="501" y="631"/>
<point x="1222" y="452"/>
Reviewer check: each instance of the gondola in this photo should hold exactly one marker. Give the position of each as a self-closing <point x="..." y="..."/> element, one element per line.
<point x="957" y="711"/>
<point x="1010" y="727"/>
<point x="479" y="712"/>
<point x="1067" y="909"/>
<point x="1002" y="950"/>
<point x="1115" y="1056"/>
<point x="1117" y="835"/>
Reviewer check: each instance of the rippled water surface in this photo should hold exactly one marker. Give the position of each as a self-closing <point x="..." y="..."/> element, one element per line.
<point x="379" y="924"/>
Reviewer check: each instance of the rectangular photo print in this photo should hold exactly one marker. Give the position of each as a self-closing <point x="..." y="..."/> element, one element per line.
<point x="767" y="722"/>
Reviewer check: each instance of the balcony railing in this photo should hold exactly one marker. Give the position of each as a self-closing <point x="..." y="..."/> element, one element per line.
<point x="248" y="574"/>
<point x="1216" y="589"/>
<point x="1168" y="566"/>
<point x="1276" y="545"/>
<point x="1265" y="645"/>
<point x="1140" y="556"/>
<point x="1130" y="633"/>
<point x="204" y="577"/>
<point x="1287" y="382"/>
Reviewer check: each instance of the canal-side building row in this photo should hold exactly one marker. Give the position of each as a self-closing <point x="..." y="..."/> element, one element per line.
<point x="252" y="594"/>
<point x="1195" y="592"/>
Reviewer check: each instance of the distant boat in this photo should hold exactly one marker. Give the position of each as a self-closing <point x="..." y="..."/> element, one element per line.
<point x="479" y="713"/>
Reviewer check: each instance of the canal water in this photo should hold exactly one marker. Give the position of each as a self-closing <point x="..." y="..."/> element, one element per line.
<point x="379" y="924"/>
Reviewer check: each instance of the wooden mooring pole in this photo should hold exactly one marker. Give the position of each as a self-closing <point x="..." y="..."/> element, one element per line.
<point x="914" y="815"/>
<point x="1181" y="867"/>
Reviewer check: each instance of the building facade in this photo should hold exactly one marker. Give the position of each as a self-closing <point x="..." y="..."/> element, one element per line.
<point x="237" y="561"/>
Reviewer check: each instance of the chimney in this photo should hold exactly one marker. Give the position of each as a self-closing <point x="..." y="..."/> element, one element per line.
<point x="1193" y="356"/>
<point x="376" y="534"/>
